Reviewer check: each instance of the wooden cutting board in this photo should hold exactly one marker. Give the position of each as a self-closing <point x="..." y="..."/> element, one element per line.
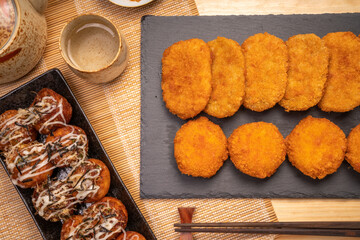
<point x="294" y="210"/>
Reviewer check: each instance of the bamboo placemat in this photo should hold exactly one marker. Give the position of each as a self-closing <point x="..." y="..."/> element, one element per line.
<point x="114" y="112"/>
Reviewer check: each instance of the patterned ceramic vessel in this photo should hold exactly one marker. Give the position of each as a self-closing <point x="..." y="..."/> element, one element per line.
<point x="22" y="37"/>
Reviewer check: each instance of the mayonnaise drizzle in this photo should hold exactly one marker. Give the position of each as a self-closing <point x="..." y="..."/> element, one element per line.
<point x="60" y="112"/>
<point x="33" y="157"/>
<point x="56" y="199"/>
<point x="9" y="130"/>
<point x="90" y="226"/>
<point x="135" y="237"/>
<point x="71" y="148"/>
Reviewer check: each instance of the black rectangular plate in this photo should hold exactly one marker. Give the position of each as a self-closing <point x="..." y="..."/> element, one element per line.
<point x="22" y="97"/>
<point x="160" y="177"/>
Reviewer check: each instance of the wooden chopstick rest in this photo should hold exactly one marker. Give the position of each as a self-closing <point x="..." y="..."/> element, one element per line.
<point x="186" y="214"/>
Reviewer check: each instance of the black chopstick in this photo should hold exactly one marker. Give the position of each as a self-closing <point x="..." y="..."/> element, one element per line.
<point x="323" y="225"/>
<point x="288" y="231"/>
<point x="348" y="229"/>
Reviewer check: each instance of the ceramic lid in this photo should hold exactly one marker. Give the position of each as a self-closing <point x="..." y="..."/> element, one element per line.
<point x="7" y="20"/>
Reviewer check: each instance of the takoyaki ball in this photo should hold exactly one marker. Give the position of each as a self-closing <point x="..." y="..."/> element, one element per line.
<point x="105" y="219"/>
<point x="14" y="130"/>
<point x="69" y="145"/>
<point x="53" y="200"/>
<point x="69" y="226"/>
<point x="29" y="164"/>
<point x="131" y="235"/>
<point x="52" y="109"/>
<point x="91" y="180"/>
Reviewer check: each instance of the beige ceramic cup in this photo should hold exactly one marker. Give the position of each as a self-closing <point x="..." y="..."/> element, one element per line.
<point x="94" y="48"/>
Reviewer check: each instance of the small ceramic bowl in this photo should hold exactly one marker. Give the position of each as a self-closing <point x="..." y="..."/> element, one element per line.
<point x="94" y="48"/>
<point x="130" y="3"/>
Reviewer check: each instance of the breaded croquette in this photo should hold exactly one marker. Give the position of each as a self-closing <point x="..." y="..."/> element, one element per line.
<point x="353" y="148"/>
<point x="257" y="149"/>
<point x="266" y="63"/>
<point x="307" y="74"/>
<point x="343" y="84"/>
<point x="200" y="148"/>
<point x="186" y="77"/>
<point x="316" y="147"/>
<point x="228" y="79"/>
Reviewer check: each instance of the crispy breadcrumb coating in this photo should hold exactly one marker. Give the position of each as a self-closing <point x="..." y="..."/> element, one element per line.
<point x="343" y="85"/>
<point x="316" y="147"/>
<point x="353" y="148"/>
<point x="266" y="63"/>
<point x="307" y="74"/>
<point x="200" y="148"/>
<point x="186" y="77"/>
<point x="228" y="79"/>
<point x="257" y="149"/>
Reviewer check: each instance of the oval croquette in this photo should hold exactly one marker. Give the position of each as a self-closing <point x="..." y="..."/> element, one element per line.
<point x="343" y="84"/>
<point x="266" y="63"/>
<point x="186" y="77"/>
<point x="307" y="74"/>
<point x="228" y="79"/>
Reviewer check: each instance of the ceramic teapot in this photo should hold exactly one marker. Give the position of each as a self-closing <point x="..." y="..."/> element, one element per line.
<point x="22" y="37"/>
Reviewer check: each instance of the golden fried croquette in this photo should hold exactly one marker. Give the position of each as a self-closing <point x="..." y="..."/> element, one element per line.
<point x="186" y="77"/>
<point x="343" y="85"/>
<point x="257" y="149"/>
<point x="316" y="147"/>
<point x="131" y="235"/>
<point x="228" y="79"/>
<point x="307" y="74"/>
<point x="353" y="148"/>
<point x="266" y="63"/>
<point x="200" y="148"/>
<point x="52" y="109"/>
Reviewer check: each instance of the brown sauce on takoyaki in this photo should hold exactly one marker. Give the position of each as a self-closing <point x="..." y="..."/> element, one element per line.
<point x="54" y="200"/>
<point x="29" y="164"/>
<point x="52" y="109"/>
<point x="105" y="220"/>
<point x="14" y="130"/>
<point x="91" y="180"/>
<point x="69" y="145"/>
<point x="131" y="235"/>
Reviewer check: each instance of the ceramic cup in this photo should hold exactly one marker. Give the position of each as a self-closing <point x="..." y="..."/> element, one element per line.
<point x="22" y="37"/>
<point x="94" y="48"/>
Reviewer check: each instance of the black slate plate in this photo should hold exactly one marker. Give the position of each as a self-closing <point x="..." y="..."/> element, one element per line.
<point x="22" y="98"/>
<point x="160" y="177"/>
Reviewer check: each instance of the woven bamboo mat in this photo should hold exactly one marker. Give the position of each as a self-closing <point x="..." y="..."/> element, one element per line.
<point x="114" y="112"/>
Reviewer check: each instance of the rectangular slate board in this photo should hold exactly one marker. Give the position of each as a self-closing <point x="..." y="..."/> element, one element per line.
<point x="22" y="97"/>
<point x="160" y="177"/>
